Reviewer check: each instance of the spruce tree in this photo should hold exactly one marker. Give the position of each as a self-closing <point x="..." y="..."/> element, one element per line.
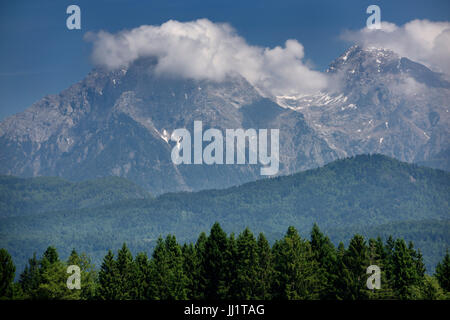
<point x="7" y="271"/>
<point x="295" y="276"/>
<point x="109" y="279"/>
<point x="141" y="278"/>
<point x="126" y="274"/>
<point x="442" y="272"/>
<point x="190" y="268"/>
<point x="199" y="275"/>
<point x="265" y="269"/>
<point x="30" y="278"/>
<point x="215" y="264"/>
<point x="404" y="273"/>
<point x="353" y="268"/>
<point x="177" y="279"/>
<point x="88" y="274"/>
<point x="246" y="263"/>
<point x="325" y="256"/>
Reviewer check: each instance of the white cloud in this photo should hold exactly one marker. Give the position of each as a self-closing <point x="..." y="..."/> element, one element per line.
<point x="423" y="41"/>
<point x="202" y="49"/>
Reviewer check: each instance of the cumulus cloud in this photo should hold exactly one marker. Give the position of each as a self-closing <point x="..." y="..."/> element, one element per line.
<point x="202" y="49"/>
<point x="424" y="41"/>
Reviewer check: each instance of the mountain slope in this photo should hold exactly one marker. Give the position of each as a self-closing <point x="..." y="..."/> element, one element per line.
<point x="382" y="103"/>
<point x="362" y="192"/>
<point x="35" y="195"/>
<point x="119" y="122"/>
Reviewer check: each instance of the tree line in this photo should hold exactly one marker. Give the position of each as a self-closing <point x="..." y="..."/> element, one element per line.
<point x="245" y="267"/>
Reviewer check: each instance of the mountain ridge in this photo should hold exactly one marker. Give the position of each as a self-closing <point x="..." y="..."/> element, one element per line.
<point x="359" y="193"/>
<point x="119" y="123"/>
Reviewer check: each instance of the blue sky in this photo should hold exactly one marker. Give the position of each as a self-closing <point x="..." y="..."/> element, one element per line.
<point x="40" y="56"/>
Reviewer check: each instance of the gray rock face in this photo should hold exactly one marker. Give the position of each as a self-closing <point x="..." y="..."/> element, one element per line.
<point x="384" y="104"/>
<point x="120" y="122"/>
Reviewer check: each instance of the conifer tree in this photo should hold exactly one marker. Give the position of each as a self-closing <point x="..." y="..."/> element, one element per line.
<point x="7" y="271"/>
<point x="215" y="264"/>
<point x="353" y="267"/>
<point x="265" y="269"/>
<point x="108" y="278"/>
<point x="246" y="266"/>
<point x="404" y="273"/>
<point x="443" y="272"/>
<point x="325" y="256"/>
<point x="88" y="274"/>
<point x="190" y="268"/>
<point x="177" y="279"/>
<point x="141" y="278"/>
<point x="199" y="275"/>
<point x="30" y="278"/>
<point x="126" y="272"/>
<point x="295" y="276"/>
<point x="167" y="278"/>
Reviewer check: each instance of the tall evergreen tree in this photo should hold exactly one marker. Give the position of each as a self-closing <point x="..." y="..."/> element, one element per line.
<point x="7" y="272"/>
<point x="199" y="275"/>
<point x="88" y="274"/>
<point x="167" y="278"/>
<point x="108" y="278"/>
<point x="295" y="276"/>
<point x="265" y="269"/>
<point x="404" y="273"/>
<point x="215" y="264"/>
<point x="126" y="273"/>
<point x="190" y="267"/>
<point x="142" y="276"/>
<point x="352" y="270"/>
<point x="325" y="256"/>
<point x="30" y="278"/>
<point x="246" y="262"/>
<point x="443" y="272"/>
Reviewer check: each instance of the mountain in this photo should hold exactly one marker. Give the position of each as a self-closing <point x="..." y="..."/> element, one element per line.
<point x="371" y="194"/>
<point x="120" y="122"/>
<point x="382" y="103"/>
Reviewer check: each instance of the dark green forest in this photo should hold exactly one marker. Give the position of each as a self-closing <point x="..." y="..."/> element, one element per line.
<point x="372" y="195"/>
<point x="220" y="266"/>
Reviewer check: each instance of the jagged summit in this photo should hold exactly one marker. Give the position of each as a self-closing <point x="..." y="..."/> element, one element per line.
<point x="118" y="122"/>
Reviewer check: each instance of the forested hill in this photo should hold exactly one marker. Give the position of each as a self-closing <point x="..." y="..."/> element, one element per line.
<point x="21" y="196"/>
<point x="361" y="192"/>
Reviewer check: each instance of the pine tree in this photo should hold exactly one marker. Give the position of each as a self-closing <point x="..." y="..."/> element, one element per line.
<point x="109" y="279"/>
<point x="442" y="272"/>
<point x="246" y="262"/>
<point x="30" y="278"/>
<point x="88" y="274"/>
<point x="142" y="276"/>
<point x="198" y="276"/>
<point x="7" y="271"/>
<point x="404" y="273"/>
<point x="215" y="264"/>
<point x="190" y="268"/>
<point x="418" y="263"/>
<point x="167" y="278"/>
<point x="177" y="279"/>
<point x="325" y="256"/>
<point x="126" y="274"/>
<point x="352" y="273"/>
<point x="377" y="256"/>
<point x="295" y="276"/>
<point x="265" y="269"/>
<point x="53" y="283"/>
